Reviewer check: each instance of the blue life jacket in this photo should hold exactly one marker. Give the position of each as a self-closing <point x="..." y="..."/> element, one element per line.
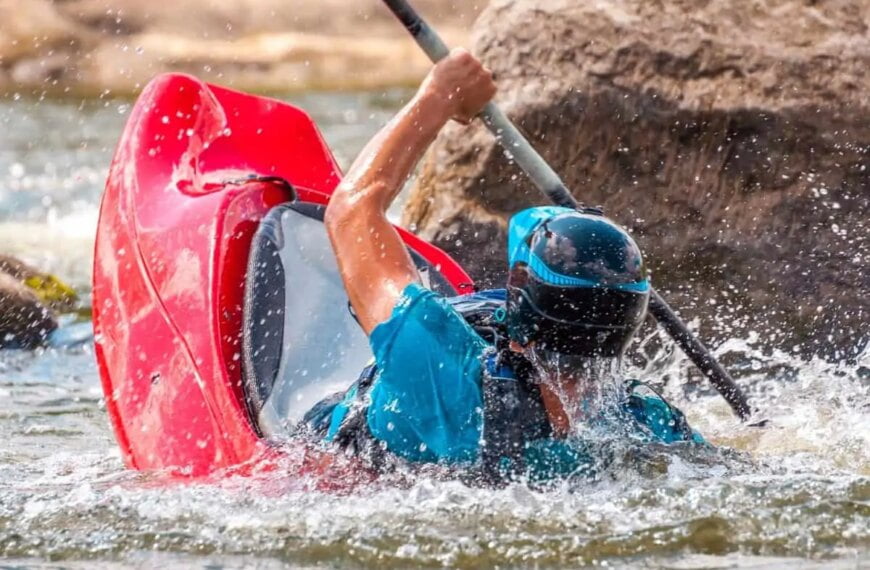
<point x="513" y="411"/>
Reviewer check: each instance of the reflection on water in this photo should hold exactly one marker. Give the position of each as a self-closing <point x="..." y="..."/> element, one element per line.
<point x="796" y="493"/>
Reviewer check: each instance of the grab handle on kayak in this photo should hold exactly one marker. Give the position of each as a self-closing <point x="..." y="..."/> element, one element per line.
<point x="546" y="179"/>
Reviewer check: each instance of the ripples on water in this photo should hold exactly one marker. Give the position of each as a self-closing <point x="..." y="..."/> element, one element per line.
<point x="795" y="493"/>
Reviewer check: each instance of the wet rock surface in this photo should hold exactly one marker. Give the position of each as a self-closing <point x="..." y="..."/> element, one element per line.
<point x="732" y="139"/>
<point x="90" y="46"/>
<point x="25" y="321"/>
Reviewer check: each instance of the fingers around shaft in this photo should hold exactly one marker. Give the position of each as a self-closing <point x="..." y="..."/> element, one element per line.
<point x="464" y="82"/>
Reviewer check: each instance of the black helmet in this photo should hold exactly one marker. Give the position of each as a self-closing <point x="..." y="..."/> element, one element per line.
<point x="577" y="282"/>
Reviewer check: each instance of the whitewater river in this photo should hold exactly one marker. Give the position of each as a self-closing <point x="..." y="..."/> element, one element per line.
<point x="793" y="494"/>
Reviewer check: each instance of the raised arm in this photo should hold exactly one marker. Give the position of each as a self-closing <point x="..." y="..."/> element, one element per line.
<point x="374" y="264"/>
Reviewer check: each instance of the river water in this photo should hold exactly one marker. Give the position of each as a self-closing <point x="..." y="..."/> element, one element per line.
<point x="793" y="494"/>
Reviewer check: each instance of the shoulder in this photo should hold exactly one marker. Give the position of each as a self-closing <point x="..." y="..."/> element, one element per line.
<point x="424" y="310"/>
<point x="665" y="422"/>
<point x="424" y="327"/>
<point x="416" y="305"/>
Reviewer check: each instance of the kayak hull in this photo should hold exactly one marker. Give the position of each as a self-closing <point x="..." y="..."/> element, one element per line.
<point x="193" y="175"/>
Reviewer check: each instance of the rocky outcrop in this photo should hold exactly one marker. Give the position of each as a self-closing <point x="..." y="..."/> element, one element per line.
<point x="731" y="137"/>
<point x="25" y="320"/>
<point x="90" y="46"/>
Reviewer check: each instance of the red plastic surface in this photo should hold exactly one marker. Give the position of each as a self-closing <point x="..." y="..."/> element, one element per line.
<point x="170" y="261"/>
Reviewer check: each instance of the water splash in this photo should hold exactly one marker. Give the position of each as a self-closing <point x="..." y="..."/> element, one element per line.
<point x="781" y="495"/>
<point x="793" y="493"/>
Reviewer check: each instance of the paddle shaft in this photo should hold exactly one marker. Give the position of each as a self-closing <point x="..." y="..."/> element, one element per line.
<point x="546" y="179"/>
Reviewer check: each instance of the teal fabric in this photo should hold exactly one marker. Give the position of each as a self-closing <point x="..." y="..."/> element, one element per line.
<point x="548" y="459"/>
<point x="340" y="411"/>
<point x="660" y="419"/>
<point x="657" y="421"/>
<point x="426" y="402"/>
<point x="522" y="224"/>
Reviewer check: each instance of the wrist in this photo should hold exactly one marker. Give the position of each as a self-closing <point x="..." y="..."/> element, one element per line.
<point x="434" y="104"/>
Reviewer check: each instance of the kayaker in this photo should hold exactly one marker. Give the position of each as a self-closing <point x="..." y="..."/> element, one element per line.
<point x="507" y="404"/>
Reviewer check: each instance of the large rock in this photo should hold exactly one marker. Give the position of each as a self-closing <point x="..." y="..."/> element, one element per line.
<point x="732" y="138"/>
<point x="37" y="44"/>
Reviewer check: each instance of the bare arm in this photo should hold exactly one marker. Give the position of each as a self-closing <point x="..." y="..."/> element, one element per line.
<point x="374" y="264"/>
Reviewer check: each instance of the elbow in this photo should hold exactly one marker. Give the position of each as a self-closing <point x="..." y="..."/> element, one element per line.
<point x="337" y="210"/>
<point x="348" y="203"/>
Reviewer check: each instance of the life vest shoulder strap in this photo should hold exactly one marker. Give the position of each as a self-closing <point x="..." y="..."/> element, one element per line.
<point x="485" y="312"/>
<point x="513" y="415"/>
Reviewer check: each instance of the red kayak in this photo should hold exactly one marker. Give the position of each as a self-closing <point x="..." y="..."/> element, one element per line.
<point x="214" y="287"/>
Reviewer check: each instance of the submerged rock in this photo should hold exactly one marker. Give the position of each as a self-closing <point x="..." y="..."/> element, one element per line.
<point x="732" y="138"/>
<point x="28" y="299"/>
<point x="24" y="321"/>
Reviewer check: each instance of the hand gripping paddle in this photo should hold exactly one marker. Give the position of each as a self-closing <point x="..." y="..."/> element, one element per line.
<point x="546" y="179"/>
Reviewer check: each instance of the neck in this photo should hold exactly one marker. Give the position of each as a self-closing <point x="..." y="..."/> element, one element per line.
<point x="569" y="402"/>
<point x="575" y="403"/>
<point x="555" y="411"/>
<point x="578" y="393"/>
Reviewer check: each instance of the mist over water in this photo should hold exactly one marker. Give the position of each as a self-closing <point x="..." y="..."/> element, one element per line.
<point x="793" y="493"/>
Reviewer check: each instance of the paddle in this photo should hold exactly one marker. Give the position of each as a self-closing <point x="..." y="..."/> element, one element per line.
<point x="546" y="179"/>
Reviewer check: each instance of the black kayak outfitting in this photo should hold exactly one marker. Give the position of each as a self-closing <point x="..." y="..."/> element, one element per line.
<point x="546" y="179"/>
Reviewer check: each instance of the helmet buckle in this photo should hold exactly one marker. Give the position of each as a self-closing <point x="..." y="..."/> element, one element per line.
<point x="592" y="210"/>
